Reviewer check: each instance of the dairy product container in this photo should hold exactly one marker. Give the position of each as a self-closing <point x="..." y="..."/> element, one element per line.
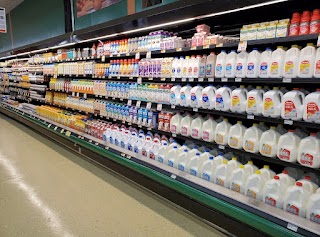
<point x="267" y="172"/>
<point x="223" y="99"/>
<point x="241" y="64"/>
<point x="175" y="123"/>
<point x="250" y="168"/>
<point x="274" y="192"/>
<point x="254" y="103"/>
<point x="223" y="172"/>
<point x="195" y="164"/>
<point x="286" y="178"/>
<point x="175" y="95"/>
<point x="253" y="64"/>
<point x="181" y="161"/>
<point x="185" y="157"/>
<point x="185" y="65"/>
<point x="236" y="135"/>
<point x="316" y="72"/>
<point x="208" y="130"/>
<point x="191" y="63"/>
<point x="185" y="96"/>
<point x="269" y="142"/>
<point x="238" y="179"/>
<point x="196" y="96"/>
<point x="306" y="61"/>
<point x="231" y="61"/>
<point x="309" y="151"/>
<point x="292" y="105"/>
<point x="210" y="65"/>
<point x="222" y="132"/>
<point x="162" y="152"/>
<point x="276" y="63"/>
<point x="209" y="167"/>
<point x="239" y="100"/>
<point x="185" y="128"/>
<point x="313" y="208"/>
<point x="220" y="66"/>
<point x="308" y="184"/>
<point x="288" y="147"/>
<point x="265" y="63"/>
<point x="291" y="62"/>
<point x="254" y="185"/>
<point x="196" y="127"/>
<point x="208" y="97"/>
<point x="174" y="66"/>
<point x="272" y="103"/>
<point x="311" y="108"/>
<point x="294" y="173"/>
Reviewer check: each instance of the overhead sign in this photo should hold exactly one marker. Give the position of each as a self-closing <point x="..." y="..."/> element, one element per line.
<point x="3" y="23"/>
<point x="85" y="7"/>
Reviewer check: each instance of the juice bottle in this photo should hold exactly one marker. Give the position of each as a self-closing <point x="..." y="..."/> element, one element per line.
<point x="315" y="22"/>
<point x="305" y="23"/>
<point x="295" y="24"/>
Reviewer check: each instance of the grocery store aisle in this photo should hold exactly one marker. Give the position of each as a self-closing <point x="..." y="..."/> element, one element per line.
<point x="46" y="190"/>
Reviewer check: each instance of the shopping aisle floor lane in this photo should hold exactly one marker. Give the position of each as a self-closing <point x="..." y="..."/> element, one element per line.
<point x="46" y="190"/>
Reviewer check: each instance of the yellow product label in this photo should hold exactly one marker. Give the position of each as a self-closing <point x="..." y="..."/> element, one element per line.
<point x="248" y="146"/>
<point x="251" y="102"/>
<point x="233" y="142"/>
<point x="251" y="193"/>
<point x="235" y="187"/>
<point x="288" y="68"/>
<point x="268" y="104"/>
<point x="219" y="139"/>
<point x="274" y="67"/>
<point x="266" y="149"/>
<point x="305" y="67"/>
<point x="220" y="182"/>
<point x="235" y="101"/>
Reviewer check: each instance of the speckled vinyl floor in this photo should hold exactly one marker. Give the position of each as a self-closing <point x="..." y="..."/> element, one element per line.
<point x="45" y="190"/>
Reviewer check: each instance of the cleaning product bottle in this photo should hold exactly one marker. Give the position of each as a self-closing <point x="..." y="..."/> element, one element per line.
<point x="220" y="66"/>
<point x="274" y="192"/>
<point x="269" y="142"/>
<point x="239" y="100"/>
<point x="196" y="96"/>
<point x="276" y="63"/>
<point x="255" y="101"/>
<point x="291" y="62"/>
<point x="208" y="130"/>
<point x="175" y="95"/>
<point x="236" y="135"/>
<point x="222" y="132"/>
<point x="223" y="99"/>
<point x="238" y="179"/>
<point x="316" y="72"/>
<point x="272" y="103"/>
<point x="265" y="63"/>
<point x="292" y="105"/>
<point x="185" y="96"/>
<point x="241" y="64"/>
<point x="311" y="110"/>
<point x="254" y="185"/>
<point x="288" y="146"/>
<point x="210" y="65"/>
<point x="208" y="97"/>
<point x="306" y="61"/>
<point x="231" y="61"/>
<point x="253" y="64"/>
<point x="196" y="127"/>
<point x="185" y="128"/>
<point x="309" y="151"/>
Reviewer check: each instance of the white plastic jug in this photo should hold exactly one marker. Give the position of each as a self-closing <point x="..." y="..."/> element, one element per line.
<point x="185" y="65"/>
<point x="231" y="61"/>
<point x="292" y="105"/>
<point x="291" y="62"/>
<point x="288" y="147"/>
<point x="162" y="152"/>
<point x="185" y="95"/>
<point x="308" y="184"/>
<point x="236" y="134"/>
<point x="311" y="110"/>
<point x="269" y="142"/>
<point x="313" y="208"/>
<point x="209" y="167"/>
<point x="272" y="103"/>
<point x="316" y="72"/>
<point x="196" y="96"/>
<point x="250" y="168"/>
<point x="296" y="200"/>
<point x="208" y="97"/>
<point x="241" y="64"/>
<point x="181" y="161"/>
<point x="293" y="172"/>
<point x="220" y="66"/>
<point x="175" y="123"/>
<point x="208" y="130"/>
<point x="285" y="177"/>
<point x="223" y="99"/>
<point x="254" y="185"/>
<point x="222" y="132"/>
<point x="198" y="62"/>
<point x="191" y="65"/>
<point x="239" y="100"/>
<point x="254" y="103"/>
<point x="179" y="67"/>
<point x="276" y="63"/>
<point x="253" y="64"/>
<point x="172" y="154"/>
<point x="274" y="192"/>
<point x="196" y="127"/>
<point x="267" y="172"/>
<point x="306" y="61"/>
<point x="195" y="165"/>
<point x="309" y="151"/>
<point x="175" y="95"/>
<point x="185" y="128"/>
<point x="238" y="179"/>
<point x="210" y="65"/>
<point x="223" y="172"/>
<point x="265" y="63"/>
<point x="192" y="164"/>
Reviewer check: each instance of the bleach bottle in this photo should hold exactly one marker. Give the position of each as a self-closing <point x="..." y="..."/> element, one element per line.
<point x="221" y="64"/>
<point x="291" y="62"/>
<point x="292" y="105"/>
<point x="272" y="103"/>
<point x="265" y="63"/>
<point x="231" y="61"/>
<point x="255" y="101"/>
<point x="223" y="99"/>
<point x="196" y="96"/>
<point x="236" y="134"/>
<point x="208" y="97"/>
<point x="241" y="65"/>
<point x="311" y="110"/>
<point x="239" y="100"/>
<point x="253" y="64"/>
<point x="276" y="63"/>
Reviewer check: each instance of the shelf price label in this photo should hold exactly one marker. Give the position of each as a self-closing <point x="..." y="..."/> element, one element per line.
<point x="68" y="133"/>
<point x="318" y="42"/>
<point x="139" y="80"/>
<point x="242" y="46"/>
<point x="179" y="49"/>
<point x="191" y="79"/>
<point x="138" y="104"/>
<point x="149" y="105"/>
<point x="200" y="79"/>
<point x="62" y="131"/>
<point x="286" y="80"/>
<point x="138" y="55"/>
<point x="288" y="122"/>
<point x="159" y="107"/>
<point x="224" y="79"/>
<point x="238" y="79"/>
<point x="211" y="79"/>
<point x="129" y="102"/>
<point x="148" y="55"/>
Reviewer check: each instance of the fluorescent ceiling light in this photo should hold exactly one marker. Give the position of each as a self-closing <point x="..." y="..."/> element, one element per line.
<point x="21" y="54"/>
<point x="62" y="45"/>
<point x="39" y="50"/>
<point x="99" y="38"/>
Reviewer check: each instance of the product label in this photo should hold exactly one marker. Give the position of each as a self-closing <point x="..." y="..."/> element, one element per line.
<point x="206" y="176"/>
<point x="263" y="68"/>
<point x="173" y="128"/>
<point x="135" y="149"/>
<point x="129" y="147"/>
<point x="235" y="102"/>
<point x="317" y="68"/>
<point x="122" y="144"/>
<point x="268" y="106"/>
<point x="201" y="71"/>
<point x="252" y="103"/>
<point x="292" y="209"/>
<point x="304" y="28"/>
<point x="151" y="155"/>
<point x="284" y="154"/>
<point x="288" y="68"/>
<point x="313" y="111"/>
<point x="306" y="159"/>
<point x="270" y="201"/>
<point x="173" y="98"/>
<point x="170" y="163"/>
<point x="190" y="70"/>
<point x="183" y="98"/>
<point x="178" y="70"/>
<point x="228" y="69"/>
<point x="160" y="159"/>
<point x="315" y="217"/>
<point x="220" y="181"/>
<point x="184" y="71"/>
<point x="239" y="68"/>
<point x="193" y="98"/>
<point x="266" y="149"/>
<point x="248" y="146"/>
<point x="181" y="167"/>
<point x="274" y="68"/>
<point x="184" y="131"/>
<point x="193" y="172"/>
<point x="219" y="101"/>
<point x="305" y="67"/>
<point x="194" y="132"/>
<point x="219" y="69"/>
<point x="251" y="193"/>
<point x="250" y="68"/>
<point x="205" y="99"/>
<point x="208" y="69"/>
<point x="219" y="138"/>
<point x="195" y="71"/>
<point x="290" y="110"/>
<point x="235" y="187"/>
<point x="173" y="70"/>
<point x="205" y="136"/>
<point x="234" y="142"/>
<point x="144" y="152"/>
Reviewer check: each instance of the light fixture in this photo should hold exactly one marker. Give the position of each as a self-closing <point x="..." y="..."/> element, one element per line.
<point x="21" y="54"/>
<point x="62" y="45"/>
<point x="39" y="50"/>
<point x="99" y="38"/>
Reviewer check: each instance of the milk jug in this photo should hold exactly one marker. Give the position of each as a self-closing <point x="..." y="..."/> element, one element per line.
<point x="267" y="172"/>
<point x="175" y="95"/>
<point x="231" y="61"/>
<point x="192" y="165"/>
<point x="196" y="96"/>
<point x="210" y="65"/>
<point x="174" y="66"/>
<point x="202" y="67"/>
<point x="239" y="100"/>
<point x="291" y="62"/>
<point x="276" y="63"/>
<point x="274" y="192"/>
<point x="306" y="61"/>
<point x="309" y="151"/>
<point x="250" y="168"/>
<point x="185" y="95"/>
<point x="223" y="172"/>
<point x="286" y="178"/>
<point x="185" y="157"/>
<point x="185" y="128"/>
<point x="238" y="179"/>
<point x="255" y="101"/>
<point x="254" y="185"/>
<point x="223" y="99"/>
<point x="312" y="177"/>
<point x="292" y="105"/>
<point x="272" y="103"/>
<point x="253" y="64"/>
<point x="296" y="200"/>
<point x="294" y="173"/>
<point x="181" y="162"/>
<point x="221" y="64"/>
<point x="209" y="167"/>
<point x="162" y="152"/>
<point x="236" y="133"/>
<point x="196" y="127"/>
<point x="269" y="142"/>
<point x="175" y="123"/>
<point x="308" y="184"/>
<point x="208" y="130"/>
<point x="191" y="63"/>
<point x="311" y="110"/>
<point x="317" y="64"/>
<point x="222" y="132"/>
<point x="208" y="97"/>
<point x="185" y="65"/>
<point x="241" y="64"/>
<point x="288" y="147"/>
<point x="313" y="208"/>
<point x="179" y="67"/>
<point x="265" y="63"/>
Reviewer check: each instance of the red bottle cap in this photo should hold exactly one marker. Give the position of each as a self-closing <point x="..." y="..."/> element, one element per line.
<point x="307" y="177"/>
<point x="285" y="172"/>
<point x="276" y="177"/>
<point x="299" y="184"/>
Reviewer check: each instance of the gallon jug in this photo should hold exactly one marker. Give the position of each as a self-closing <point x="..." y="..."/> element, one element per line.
<point x="175" y="123"/>
<point x="292" y="105"/>
<point x="208" y="130"/>
<point x="210" y="65"/>
<point x="191" y="65"/>
<point x="254" y="185"/>
<point x="196" y="96"/>
<point x="296" y="200"/>
<point x="236" y="134"/>
<point x="221" y="64"/>
<point x="181" y="161"/>
<point x="209" y="167"/>
<point x="313" y="208"/>
<point x="239" y="100"/>
<point x="309" y="151"/>
<point x="269" y="142"/>
<point x="185" y="157"/>
<point x="192" y="164"/>
<point x="162" y="152"/>
<point x="231" y="61"/>
<point x="223" y="99"/>
<point x="250" y="168"/>
<point x="179" y="67"/>
<point x="294" y="173"/>
<point x="185" y="65"/>
<point x="311" y="110"/>
<point x="241" y="65"/>
<point x="265" y="63"/>
<point x="274" y="192"/>
<point x="308" y="184"/>
<point x="196" y="127"/>
<point x="223" y="172"/>
<point x="185" y="128"/>
<point x="255" y="101"/>
<point x="222" y="132"/>
<point x="291" y="62"/>
<point x="198" y="62"/>
<point x="208" y="97"/>
<point x="312" y="177"/>
<point x="306" y="61"/>
<point x="175" y="95"/>
<point x="272" y="103"/>
<point x="174" y="66"/>
<point x="195" y="165"/>
<point x="253" y="64"/>
<point x="238" y="179"/>
<point x="276" y="63"/>
<point x="288" y="147"/>
<point x="316" y="72"/>
<point x="285" y="177"/>
<point x="267" y="172"/>
<point x="185" y="95"/>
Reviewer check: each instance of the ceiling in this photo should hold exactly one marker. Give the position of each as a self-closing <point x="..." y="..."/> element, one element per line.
<point x="10" y="4"/>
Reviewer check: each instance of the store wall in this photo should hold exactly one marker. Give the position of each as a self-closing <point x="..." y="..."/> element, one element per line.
<point x="139" y="7"/>
<point x="5" y="38"/>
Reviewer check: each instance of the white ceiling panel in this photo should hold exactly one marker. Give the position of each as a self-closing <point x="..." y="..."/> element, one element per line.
<point x="10" y="4"/>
